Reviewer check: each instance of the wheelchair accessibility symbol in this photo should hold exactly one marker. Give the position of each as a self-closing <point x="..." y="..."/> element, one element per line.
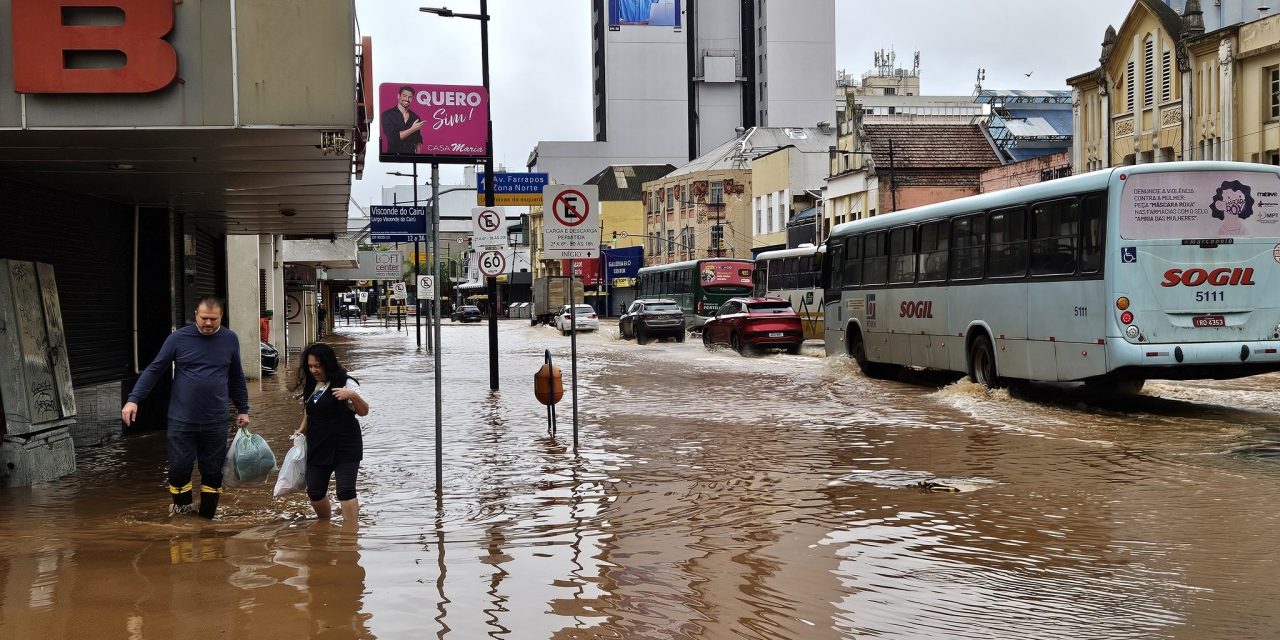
<point x="1129" y="255"/>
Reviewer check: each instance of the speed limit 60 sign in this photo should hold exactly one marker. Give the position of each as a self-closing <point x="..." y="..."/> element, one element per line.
<point x="492" y="263"/>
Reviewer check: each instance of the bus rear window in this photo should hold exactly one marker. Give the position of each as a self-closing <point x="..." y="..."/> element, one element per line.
<point x="1177" y="205"/>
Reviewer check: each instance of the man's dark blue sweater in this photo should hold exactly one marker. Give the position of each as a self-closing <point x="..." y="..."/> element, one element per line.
<point x="206" y="374"/>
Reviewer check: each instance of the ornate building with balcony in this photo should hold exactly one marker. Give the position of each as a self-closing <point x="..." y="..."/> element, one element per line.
<point x="1166" y="89"/>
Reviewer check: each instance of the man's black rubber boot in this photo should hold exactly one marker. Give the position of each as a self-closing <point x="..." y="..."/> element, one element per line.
<point x="208" y="504"/>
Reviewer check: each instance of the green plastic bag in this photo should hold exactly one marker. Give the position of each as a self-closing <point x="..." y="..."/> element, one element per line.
<point x="249" y="459"/>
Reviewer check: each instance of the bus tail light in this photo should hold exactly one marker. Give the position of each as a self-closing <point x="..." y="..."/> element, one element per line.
<point x="1127" y="317"/>
<point x="697" y="308"/>
<point x="1122" y="303"/>
<point x="1132" y="331"/>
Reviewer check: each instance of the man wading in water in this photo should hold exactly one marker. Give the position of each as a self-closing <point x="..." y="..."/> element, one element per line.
<point x="207" y="374"/>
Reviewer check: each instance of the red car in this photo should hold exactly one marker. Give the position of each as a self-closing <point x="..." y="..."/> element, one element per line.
<point x="750" y="324"/>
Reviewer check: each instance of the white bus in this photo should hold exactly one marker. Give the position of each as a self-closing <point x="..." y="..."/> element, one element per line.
<point x="794" y="275"/>
<point x="1155" y="271"/>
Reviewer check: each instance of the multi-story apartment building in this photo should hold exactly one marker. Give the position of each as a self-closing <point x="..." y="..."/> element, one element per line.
<point x="683" y="76"/>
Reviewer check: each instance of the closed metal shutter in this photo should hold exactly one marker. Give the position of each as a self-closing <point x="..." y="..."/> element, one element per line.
<point x="204" y="268"/>
<point x="89" y="242"/>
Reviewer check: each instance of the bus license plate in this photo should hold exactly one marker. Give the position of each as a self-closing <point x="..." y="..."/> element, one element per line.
<point x="1208" y="321"/>
<point x="777" y="334"/>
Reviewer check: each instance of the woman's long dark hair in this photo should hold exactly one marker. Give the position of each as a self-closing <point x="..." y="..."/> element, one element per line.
<point x="328" y="361"/>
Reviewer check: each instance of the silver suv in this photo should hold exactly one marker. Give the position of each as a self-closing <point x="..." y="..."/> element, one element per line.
<point x="652" y="318"/>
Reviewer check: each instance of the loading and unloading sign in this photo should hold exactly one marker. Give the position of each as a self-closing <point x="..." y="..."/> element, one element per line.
<point x="572" y="230"/>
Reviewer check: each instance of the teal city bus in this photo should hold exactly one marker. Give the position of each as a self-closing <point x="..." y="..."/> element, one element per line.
<point x="699" y="286"/>
<point x="1157" y="271"/>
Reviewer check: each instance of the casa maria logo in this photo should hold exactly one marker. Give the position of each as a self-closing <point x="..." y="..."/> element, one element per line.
<point x="1232" y="203"/>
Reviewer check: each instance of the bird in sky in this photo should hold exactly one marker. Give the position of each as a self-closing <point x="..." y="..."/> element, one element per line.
<point x="1028" y="74"/>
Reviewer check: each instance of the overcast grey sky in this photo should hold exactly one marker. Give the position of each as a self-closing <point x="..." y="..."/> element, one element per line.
<point x="539" y="57"/>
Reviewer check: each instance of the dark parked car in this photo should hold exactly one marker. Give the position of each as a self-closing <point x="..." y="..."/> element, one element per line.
<point x="270" y="358"/>
<point x="466" y="313"/>
<point x="652" y="318"/>
<point x="750" y="324"/>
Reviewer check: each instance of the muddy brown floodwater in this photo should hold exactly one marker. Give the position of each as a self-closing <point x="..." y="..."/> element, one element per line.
<point x="712" y="496"/>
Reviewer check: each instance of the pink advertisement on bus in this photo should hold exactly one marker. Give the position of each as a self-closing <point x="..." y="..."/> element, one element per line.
<point x="1175" y="205"/>
<point x="433" y="122"/>
<point x="727" y="272"/>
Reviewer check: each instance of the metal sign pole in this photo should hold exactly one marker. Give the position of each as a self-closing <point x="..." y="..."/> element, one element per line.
<point x="417" y="265"/>
<point x="573" y="349"/>
<point x="435" y="322"/>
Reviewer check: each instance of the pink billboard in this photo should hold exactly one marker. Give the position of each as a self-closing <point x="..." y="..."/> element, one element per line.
<point x="433" y="122"/>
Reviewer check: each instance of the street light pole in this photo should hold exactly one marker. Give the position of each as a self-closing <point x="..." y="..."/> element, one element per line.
<point x="492" y="281"/>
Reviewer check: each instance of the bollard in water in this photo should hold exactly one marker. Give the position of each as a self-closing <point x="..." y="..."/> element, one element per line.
<point x="548" y="388"/>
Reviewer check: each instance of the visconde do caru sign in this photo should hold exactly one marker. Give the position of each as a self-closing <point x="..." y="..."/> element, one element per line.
<point x="433" y="123"/>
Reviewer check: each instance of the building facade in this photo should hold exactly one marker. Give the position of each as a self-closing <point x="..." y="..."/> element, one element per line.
<point x="687" y="77"/>
<point x="784" y="183"/>
<point x="1167" y="89"/>
<point x="710" y="207"/>
<point x="172" y="172"/>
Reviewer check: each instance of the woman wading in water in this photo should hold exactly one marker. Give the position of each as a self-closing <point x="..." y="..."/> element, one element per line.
<point x="331" y="401"/>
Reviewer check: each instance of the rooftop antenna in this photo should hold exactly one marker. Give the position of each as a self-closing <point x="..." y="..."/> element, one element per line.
<point x="982" y="75"/>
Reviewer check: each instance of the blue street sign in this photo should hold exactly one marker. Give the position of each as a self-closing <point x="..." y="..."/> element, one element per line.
<point x="515" y="182"/>
<point x="513" y="189"/>
<point x="399" y="224"/>
<point x="624" y="262"/>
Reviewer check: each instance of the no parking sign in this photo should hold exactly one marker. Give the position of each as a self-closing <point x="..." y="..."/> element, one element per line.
<point x="572" y="229"/>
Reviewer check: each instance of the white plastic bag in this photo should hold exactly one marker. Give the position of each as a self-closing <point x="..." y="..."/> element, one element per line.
<point x="293" y="471"/>
<point x="249" y="460"/>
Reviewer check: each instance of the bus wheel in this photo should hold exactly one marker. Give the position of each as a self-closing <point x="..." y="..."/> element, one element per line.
<point x="858" y="351"/>
<point x="982" y="363"/>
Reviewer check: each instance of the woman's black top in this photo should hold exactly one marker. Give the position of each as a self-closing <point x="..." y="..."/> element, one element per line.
<point x="393" y="123"/>
<point x="333" y="433"/>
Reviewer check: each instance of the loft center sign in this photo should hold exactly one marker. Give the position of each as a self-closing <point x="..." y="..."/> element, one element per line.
<point x="570" y="222"/>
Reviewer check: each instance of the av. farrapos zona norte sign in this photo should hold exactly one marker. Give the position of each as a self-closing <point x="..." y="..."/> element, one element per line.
<point x="571" y="222"/>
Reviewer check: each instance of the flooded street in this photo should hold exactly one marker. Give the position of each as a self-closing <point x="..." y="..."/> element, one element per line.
<point x="711" y="496"/>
